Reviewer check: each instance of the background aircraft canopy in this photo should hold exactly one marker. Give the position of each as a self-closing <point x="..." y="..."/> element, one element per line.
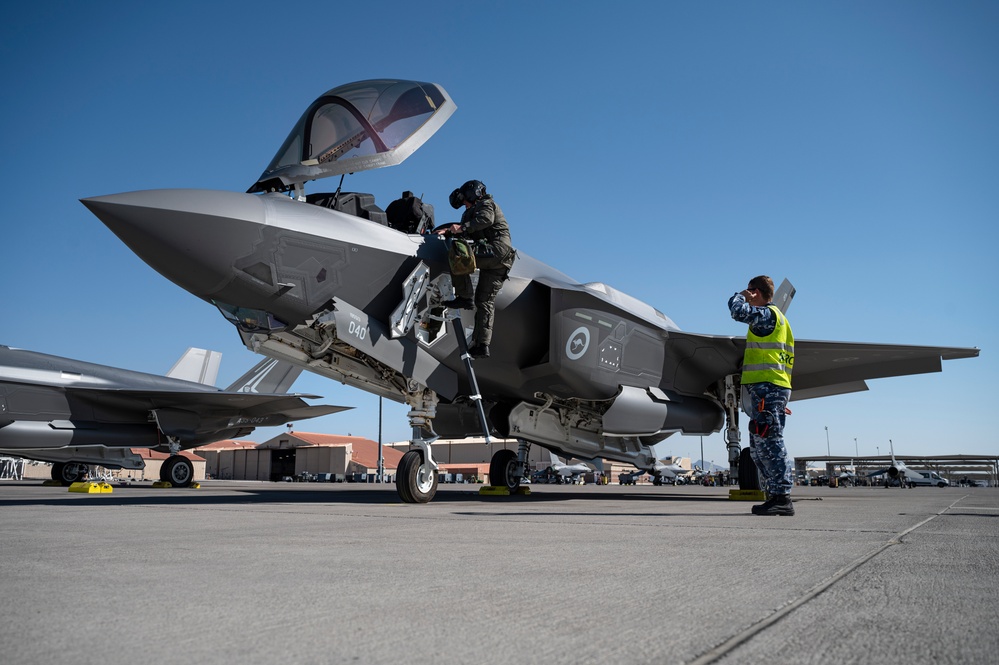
<point x="357" y="127"/>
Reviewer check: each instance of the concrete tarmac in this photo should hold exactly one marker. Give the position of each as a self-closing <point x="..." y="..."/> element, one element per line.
<point x="241" y="572"/>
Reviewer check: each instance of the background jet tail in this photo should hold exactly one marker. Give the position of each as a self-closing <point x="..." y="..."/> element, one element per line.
<point x="784" y="295"/>
<point x="897" y="468"/>
<point x="269" y="376"/>
<point x="198" y="365"/>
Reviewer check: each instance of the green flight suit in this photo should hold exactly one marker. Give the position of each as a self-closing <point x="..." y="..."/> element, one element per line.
<point x="485" y="227"/>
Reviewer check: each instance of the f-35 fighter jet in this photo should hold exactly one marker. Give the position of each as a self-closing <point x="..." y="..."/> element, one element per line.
<point x="321" y="281"/>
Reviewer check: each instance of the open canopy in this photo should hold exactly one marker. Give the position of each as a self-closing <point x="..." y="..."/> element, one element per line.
<point x="357" y="127"/>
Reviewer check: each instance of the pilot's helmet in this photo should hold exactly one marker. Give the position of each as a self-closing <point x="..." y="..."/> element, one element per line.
<point x="473" y="190"/>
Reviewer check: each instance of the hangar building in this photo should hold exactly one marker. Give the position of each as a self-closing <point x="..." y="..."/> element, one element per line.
<point x="297" y="455"/>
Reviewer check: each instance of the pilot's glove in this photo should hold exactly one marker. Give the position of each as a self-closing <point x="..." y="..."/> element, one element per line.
<point x="450" y="230"/>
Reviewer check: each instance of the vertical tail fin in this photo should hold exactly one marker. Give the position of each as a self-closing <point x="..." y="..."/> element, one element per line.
<point x="269" y="376"/>
<point x="198" y="365"/>
<point x="784" y="295"/>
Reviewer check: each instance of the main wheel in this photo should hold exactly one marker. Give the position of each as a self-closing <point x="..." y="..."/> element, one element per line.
<point x="415" y="480"/>
<point x="501" y="470"/>
<point x="749" y="476"/>
<point x="178" y="471"/>
<point x="68" y="473"/>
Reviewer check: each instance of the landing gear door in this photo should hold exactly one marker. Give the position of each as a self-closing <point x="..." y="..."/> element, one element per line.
<point x="403" y="354"/>
<point x="357" y="127"/>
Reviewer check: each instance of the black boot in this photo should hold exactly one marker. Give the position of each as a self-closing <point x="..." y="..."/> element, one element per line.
<point x="458" y="303"/>
<point x="779" y="504"/>
<point x="479" y="351"/>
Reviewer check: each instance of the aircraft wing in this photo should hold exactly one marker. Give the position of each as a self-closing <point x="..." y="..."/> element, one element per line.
<point x="820" y="368"/>
<point x="830" y="368"/>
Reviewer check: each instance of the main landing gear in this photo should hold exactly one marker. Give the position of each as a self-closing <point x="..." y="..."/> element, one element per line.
<point x="507" y="468"/>
<point x="178" y="471"/>
<point x="739" y="459"/>
<point x="67" y="473"/>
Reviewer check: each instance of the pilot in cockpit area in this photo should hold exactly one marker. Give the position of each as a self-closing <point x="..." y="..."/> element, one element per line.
<point x="485" y="226"/>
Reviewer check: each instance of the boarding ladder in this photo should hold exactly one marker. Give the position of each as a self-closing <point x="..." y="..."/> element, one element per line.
<point x="476" y="396"/>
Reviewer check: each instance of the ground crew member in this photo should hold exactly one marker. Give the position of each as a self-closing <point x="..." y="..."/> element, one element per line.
<point x="766" y="389"/>
<point x="485" y="227"/>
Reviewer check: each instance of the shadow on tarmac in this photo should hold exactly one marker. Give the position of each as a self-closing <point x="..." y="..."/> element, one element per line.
<point x="144" y="495"/>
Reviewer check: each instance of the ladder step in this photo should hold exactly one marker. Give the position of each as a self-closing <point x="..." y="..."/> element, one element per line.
<point x="476" y="396"/>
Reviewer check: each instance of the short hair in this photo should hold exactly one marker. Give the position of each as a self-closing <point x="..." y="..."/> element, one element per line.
<point x="765" y="286"/>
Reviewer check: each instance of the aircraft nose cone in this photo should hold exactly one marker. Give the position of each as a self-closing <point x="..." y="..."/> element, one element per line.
<point x="191" y="237"/>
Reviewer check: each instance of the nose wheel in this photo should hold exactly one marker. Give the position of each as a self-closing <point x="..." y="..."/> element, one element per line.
<point x="416" y="481"/>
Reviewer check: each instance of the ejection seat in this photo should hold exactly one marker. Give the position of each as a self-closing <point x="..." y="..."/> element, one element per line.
<point x="353" y="203"/>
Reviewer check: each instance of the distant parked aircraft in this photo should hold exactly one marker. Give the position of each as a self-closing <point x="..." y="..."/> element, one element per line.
<point x="907" y="477"/>
<point x="73" y="413"/>
<point x="567" y="472"/>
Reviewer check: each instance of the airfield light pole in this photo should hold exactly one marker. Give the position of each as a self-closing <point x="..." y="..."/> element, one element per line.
<point x="856" y="448"/>
<point x="702" y="453"/>
<point x="828" y="454"/>
<point x="381" y="460"/>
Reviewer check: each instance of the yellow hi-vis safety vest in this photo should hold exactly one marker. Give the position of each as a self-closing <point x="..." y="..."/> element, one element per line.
<point x="770" y="359"/>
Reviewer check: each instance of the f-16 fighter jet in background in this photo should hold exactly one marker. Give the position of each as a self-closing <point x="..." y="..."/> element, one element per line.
<point x="322" y="282"/>
<point x="662" y="474"/>
<point x="899" y="473"/>
<point x="74" y="413"/>
<point x="566" y="472"/>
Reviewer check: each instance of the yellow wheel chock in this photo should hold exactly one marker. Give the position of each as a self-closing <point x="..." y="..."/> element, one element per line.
<point x="90" y="487"/>
<point x="494" y="490"/>
<point x="746" y="495"/>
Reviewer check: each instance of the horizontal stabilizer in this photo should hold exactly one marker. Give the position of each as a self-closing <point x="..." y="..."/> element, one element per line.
<point x="214" y="401"/>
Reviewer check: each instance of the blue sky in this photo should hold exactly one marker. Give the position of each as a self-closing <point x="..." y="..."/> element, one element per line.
<point x="672" y="150"/>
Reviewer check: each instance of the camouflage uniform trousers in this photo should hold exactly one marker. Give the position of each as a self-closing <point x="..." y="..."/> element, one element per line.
<point x="492" y="273"/>
<point x="766" y="436"/>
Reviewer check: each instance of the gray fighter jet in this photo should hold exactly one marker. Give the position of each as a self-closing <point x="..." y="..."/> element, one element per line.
<point x="564" y="471"/>
<point x="321" y="281"/>
<point x="74" y="413"/>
